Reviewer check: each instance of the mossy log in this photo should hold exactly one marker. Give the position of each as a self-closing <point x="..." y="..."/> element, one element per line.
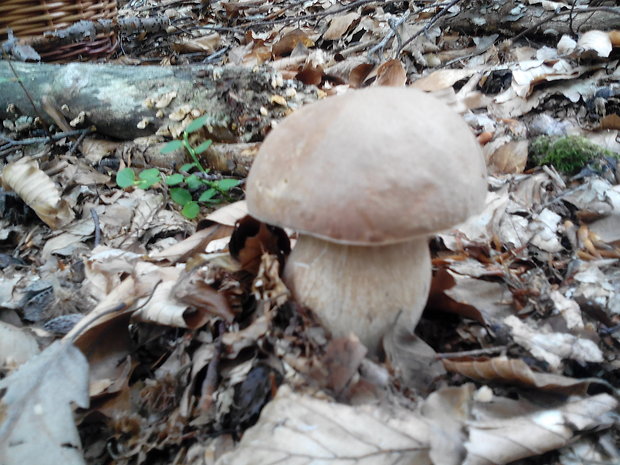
<point x="119" y="100"/>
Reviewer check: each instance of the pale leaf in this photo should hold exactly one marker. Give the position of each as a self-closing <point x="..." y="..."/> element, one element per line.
<point x="17" y="346"/>
<point x="37" y="191"/>
<point x="36" y="410"/>
<point x="496" y="441"/>
<point x="299" y="430"/>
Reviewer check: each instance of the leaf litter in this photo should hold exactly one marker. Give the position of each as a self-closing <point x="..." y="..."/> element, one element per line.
<point x="195" y="352"/>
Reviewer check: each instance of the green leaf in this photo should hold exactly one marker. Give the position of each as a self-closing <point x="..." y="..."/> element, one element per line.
<point x="180" y="195"/>
<point x="191" y="210"/>
<point x="196" y="124"/>
<point x="227" y="184"/>
<point x="193" y="182"/>
<point x="207" y="195"/>
<point x="143" y="184"/>
<point x="187" y="167"/>
<point x="171" y="146"/>
<point x="174" y="179"/>
<point x="204" y="146"/>
<point x="125" y="178"/>
<point x="151" y="175"/>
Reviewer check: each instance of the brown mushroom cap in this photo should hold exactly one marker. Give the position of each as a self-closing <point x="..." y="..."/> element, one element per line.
<point x="375" y="166"/>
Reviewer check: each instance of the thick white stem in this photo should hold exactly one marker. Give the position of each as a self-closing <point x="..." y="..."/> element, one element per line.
<point x="360" y="289"/>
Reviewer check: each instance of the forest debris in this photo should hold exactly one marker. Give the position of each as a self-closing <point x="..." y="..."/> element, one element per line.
<point x="38" y="427"/>
<point x="503" y="433"/>
<point x="38" y="191"/>
<point x="514" y="371"/>
<point x="552" y="347"/>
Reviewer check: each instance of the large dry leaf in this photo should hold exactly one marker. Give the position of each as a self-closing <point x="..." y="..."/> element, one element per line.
<point x="299" y="430"/>
<point x="339" y="25"/>
<point x="497" y="439"/>
<point x="36" y="409"/>
<point x="17" y="346"/>
<point x="514" y="371"/>
<point x="37" y="191"/>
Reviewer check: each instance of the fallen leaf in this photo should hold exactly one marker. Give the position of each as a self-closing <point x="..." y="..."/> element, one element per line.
<point x="37" y="191"/>
<point x="300" y="429"/>
<point x="289" y="41"/>
<point x="339" y="25"/>
<point x="552" y="347"/>
<point x="391" y="73"/>
<point x="36" y="408"/>
<point x="501" y="437"/>
<point x="514" y="371"/>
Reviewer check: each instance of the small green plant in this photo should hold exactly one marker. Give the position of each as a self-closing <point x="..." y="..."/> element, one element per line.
<point x="569" y="154"/>
<point x="193" y="184"/>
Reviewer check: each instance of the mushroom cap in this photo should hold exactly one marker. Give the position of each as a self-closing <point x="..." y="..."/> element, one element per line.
<point x="374" y="166"/>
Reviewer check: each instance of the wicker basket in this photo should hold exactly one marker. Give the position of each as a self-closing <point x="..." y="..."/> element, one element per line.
<point x="32" y="18"/>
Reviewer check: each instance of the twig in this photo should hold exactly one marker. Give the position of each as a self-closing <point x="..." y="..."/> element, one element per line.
<point x="471" y="353"/>
<point x="394" y="25"/>
<point x="427" y="26"/>
<point x="37" y="140"/>
<point x="557" y="14"/>
<point x="78" y="142"/>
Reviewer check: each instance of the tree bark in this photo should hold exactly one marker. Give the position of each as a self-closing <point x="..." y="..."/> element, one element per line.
<point x="512" y="17"/>
<point x="238" y="100"/>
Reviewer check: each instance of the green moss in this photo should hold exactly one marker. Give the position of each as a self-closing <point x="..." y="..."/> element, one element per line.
<point x="569" y="154"/>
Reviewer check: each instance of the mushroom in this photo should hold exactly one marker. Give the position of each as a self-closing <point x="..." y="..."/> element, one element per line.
<point x="365" y="178"/>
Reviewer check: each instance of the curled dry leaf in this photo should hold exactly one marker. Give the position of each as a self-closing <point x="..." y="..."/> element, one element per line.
<point x="391" y="73"/>
<point x="514" y="371"/>
<point x="37" y="423"/>
<point x="38" y="191"/>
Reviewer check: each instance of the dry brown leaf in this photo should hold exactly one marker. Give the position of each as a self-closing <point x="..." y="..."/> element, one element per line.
<point x="252" y="238"/>
<point x="391" y="73"/>
<point x="339" y="25"/>
<point x="37" y="417"/>
<point x="442" y="79"/>
<point x="509" y="158"/>
<point x="206" y="43"/>
<point x="483" y="301"/>
<point x="37" y="191"/>
<point x="193" y="288"/>
<point x="507" y="370"/>
<point x="289" y="41"/>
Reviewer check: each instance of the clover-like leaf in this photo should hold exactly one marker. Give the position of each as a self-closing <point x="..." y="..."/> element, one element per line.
<point x="180" y="195"/>
<point x="204" y="146"/>
<point x="196" y="124"/>
<point x="226" y="184"/>
<point x="125" y="178"/>
<point x="191" y="210"/>
<point x="174" y="179"/>
<point x="207" y="195"/>
<point x="193" y="182"/>
<point x="171" y="146"/>
<point x="187" y="167"/>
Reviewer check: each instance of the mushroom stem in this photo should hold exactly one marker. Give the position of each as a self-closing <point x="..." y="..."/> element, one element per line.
<point x="360" y="289"/>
